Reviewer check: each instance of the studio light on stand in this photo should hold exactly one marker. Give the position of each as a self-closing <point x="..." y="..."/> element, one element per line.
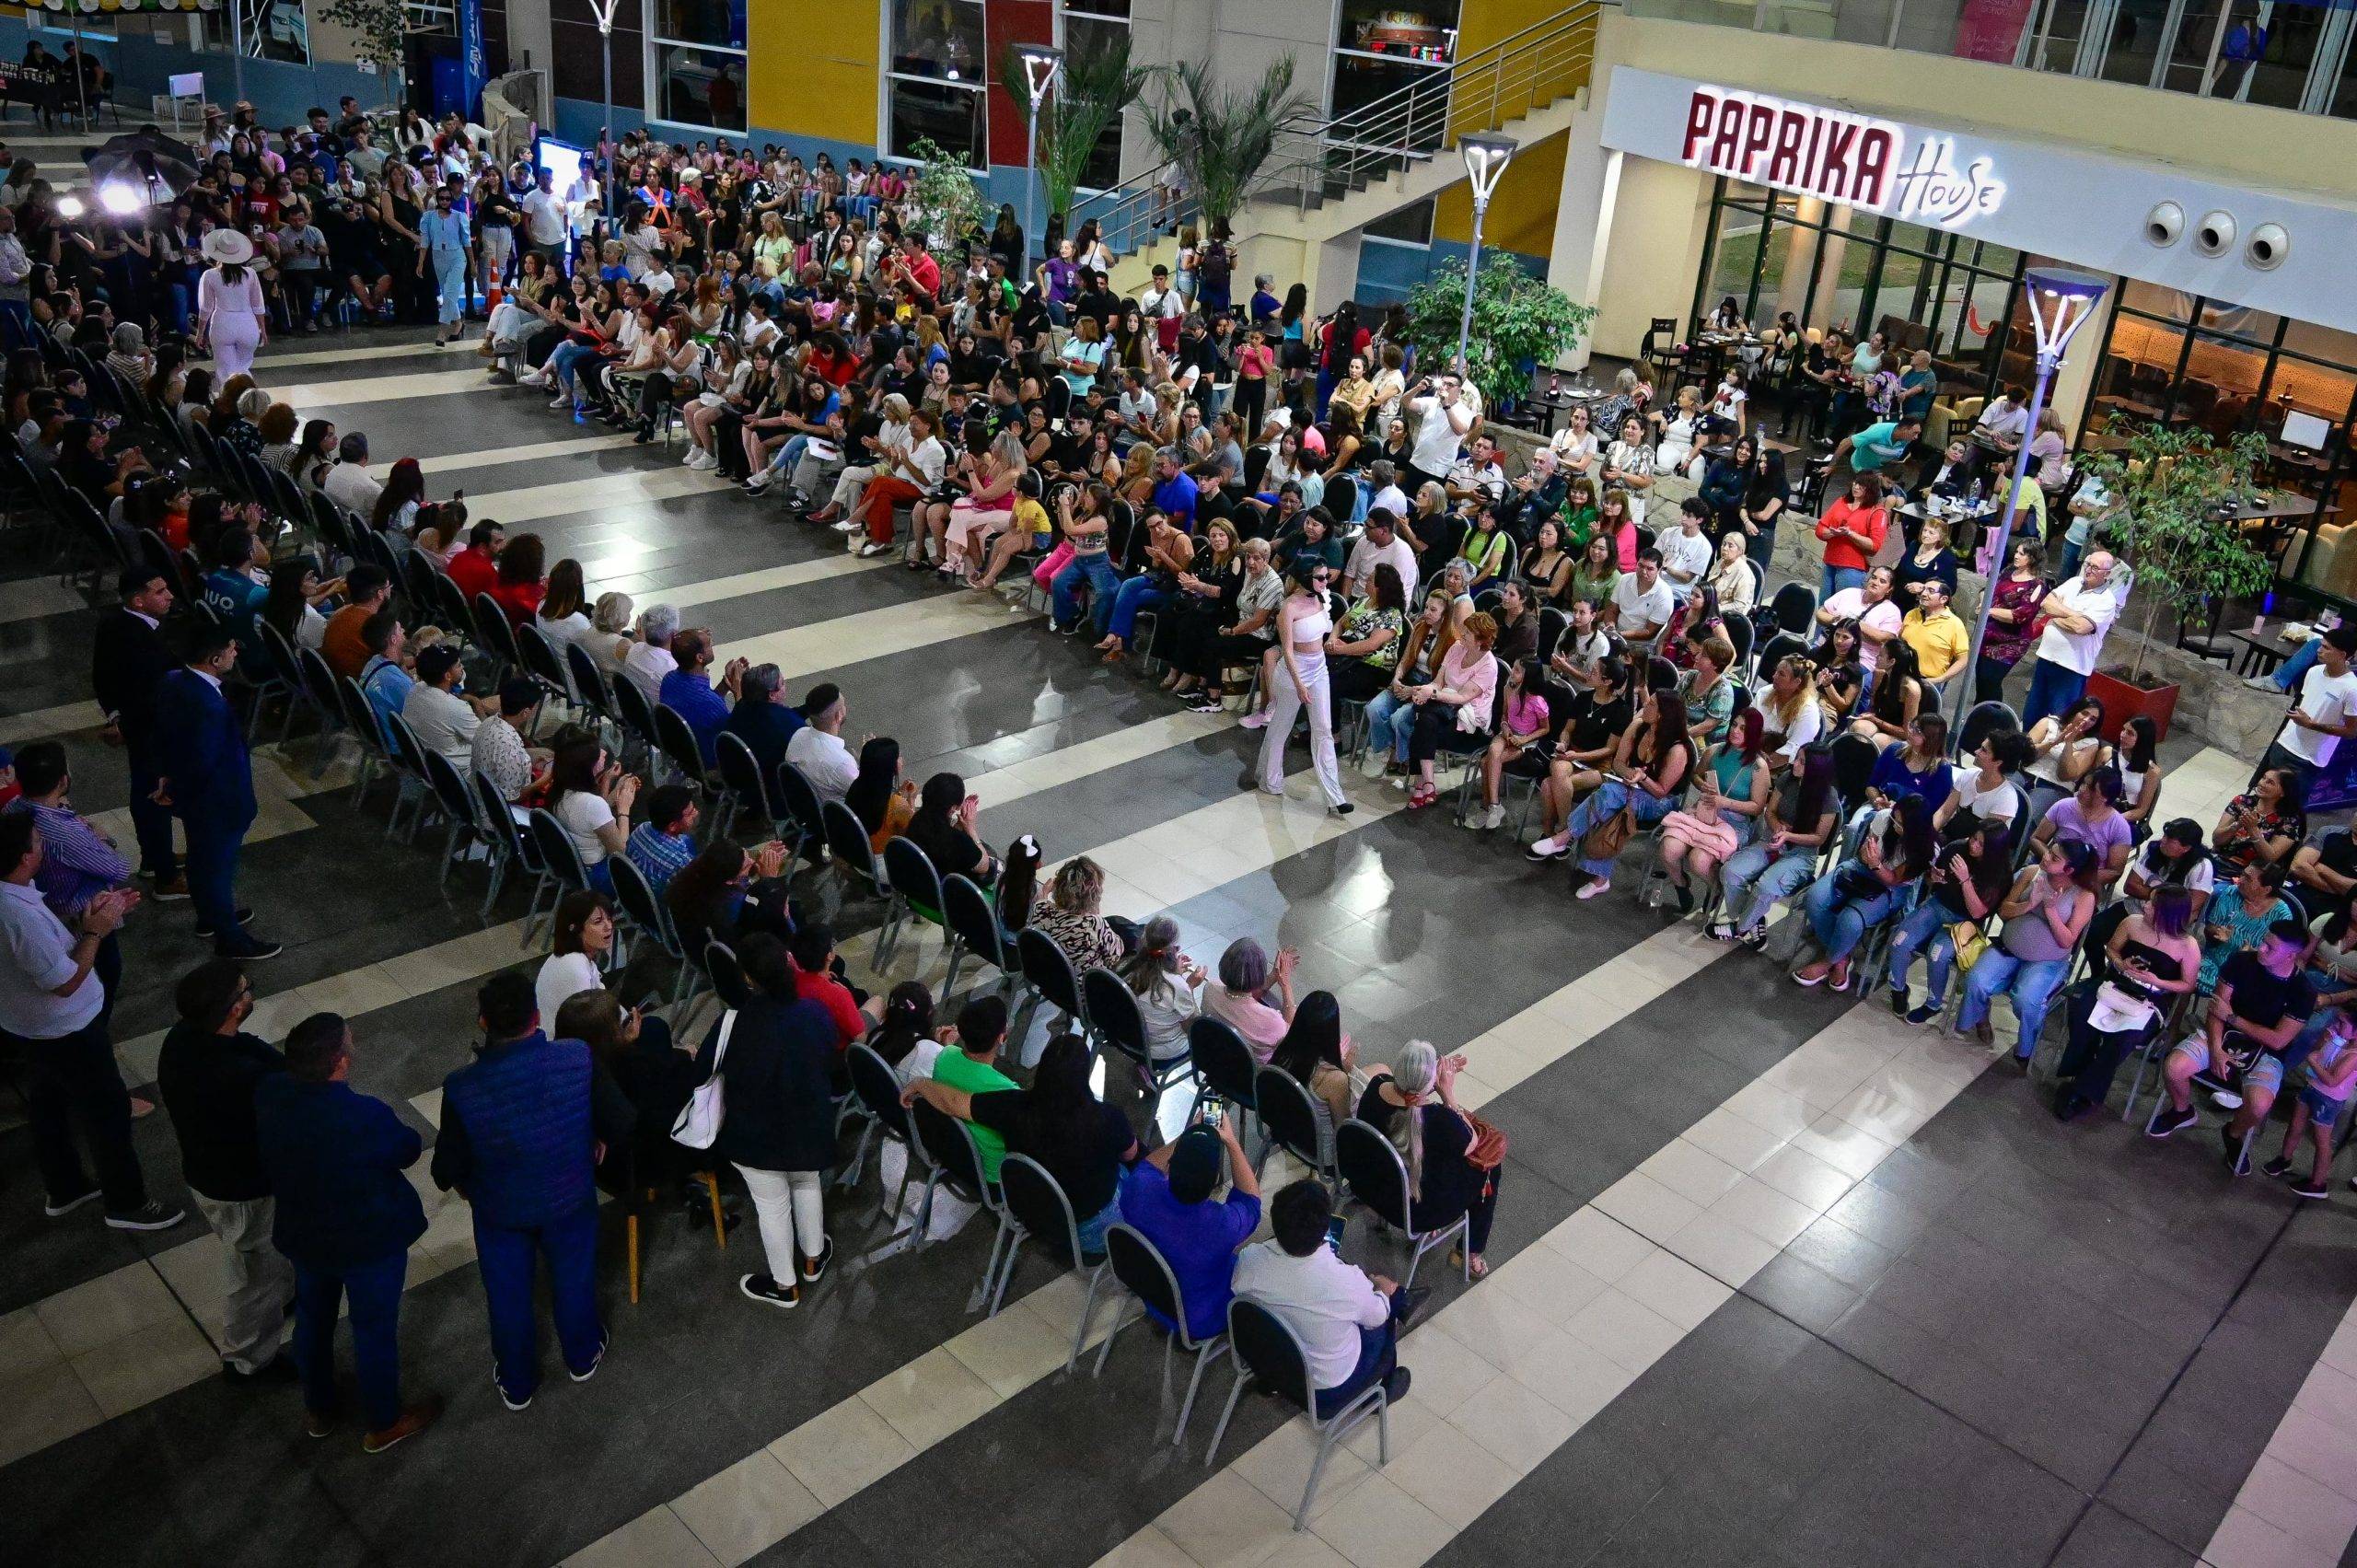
<point x="2060" y="301"/>
<point x="1486" y="157"/>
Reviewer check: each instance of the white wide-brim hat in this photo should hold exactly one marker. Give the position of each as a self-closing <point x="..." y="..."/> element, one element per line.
<point x="228" y="247"/>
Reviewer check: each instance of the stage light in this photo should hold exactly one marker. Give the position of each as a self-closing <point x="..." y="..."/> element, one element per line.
<point x="119" y="199"/>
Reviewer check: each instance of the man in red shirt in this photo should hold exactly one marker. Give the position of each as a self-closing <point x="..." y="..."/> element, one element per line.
<point x="813" y="950"/>
<point x="1852" y="528"/>
<point x="918" y="267"/>
<point x="475" y="568"/>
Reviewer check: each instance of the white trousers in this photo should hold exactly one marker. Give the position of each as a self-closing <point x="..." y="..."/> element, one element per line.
<point x="1283" y="705"/>
<point x="260" y="1279"/>
<point x="791" y="1207"/>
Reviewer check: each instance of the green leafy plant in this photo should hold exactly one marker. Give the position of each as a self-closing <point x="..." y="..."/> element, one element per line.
<point x="1092" y="89"/>
<point x="2167" y="485"/>
<point x="1221" y="139"/>
<point x="1518" y="321"/>
<point x="948" y="203"/>
<point x="380" y="27"/>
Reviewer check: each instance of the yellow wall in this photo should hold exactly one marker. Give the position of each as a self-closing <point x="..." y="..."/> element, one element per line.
<point x="1522" y="214"/>
<point x="1660" y="215"/>
<point x="1483" y="22"/>
<point x="814" y="69"/>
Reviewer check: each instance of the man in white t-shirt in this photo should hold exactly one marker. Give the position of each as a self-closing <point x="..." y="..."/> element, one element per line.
<point x="2078" y="615"/>
<point x="1442" y="420"/>
<point x="818" y="747"/>
<point x="1160" y="302"/>
<point x="1347" y="1320"/>
<point x="1379" y="544"/>
<point x="1388" y="494"/>
<point x="444" y="718"/>
<point x="2005" y="422"/>
<point x="2326" y="713"/>
<point x="545" y="223"/>
<point x="1870" y="605"/>
<point x="1640" y="602"/>
<point x="1686" y="554"/>
<point x="350" y="485"/>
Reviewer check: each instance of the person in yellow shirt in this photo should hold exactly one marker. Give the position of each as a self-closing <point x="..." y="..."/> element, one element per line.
<point x="1938" y="636"/>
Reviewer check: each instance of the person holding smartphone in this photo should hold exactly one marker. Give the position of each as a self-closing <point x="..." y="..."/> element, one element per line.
<point x="1171" y="1197"/>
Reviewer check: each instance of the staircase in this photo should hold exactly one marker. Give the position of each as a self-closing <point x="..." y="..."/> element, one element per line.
<point x="1330" y="177"/>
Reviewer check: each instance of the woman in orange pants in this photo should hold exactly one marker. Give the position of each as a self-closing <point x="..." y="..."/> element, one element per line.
<point x="914" y="470"/>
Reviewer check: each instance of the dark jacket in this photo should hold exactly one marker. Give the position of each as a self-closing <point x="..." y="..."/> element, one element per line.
<point x="778" y="1112"/>
<point x="200" y="751"/>
<point x="128" y="661"/>
<point x="334" y="1157"/>
<point x="765" y="726"/>
<point x="518" y="1131"/>
<point x="208" y="1082"/>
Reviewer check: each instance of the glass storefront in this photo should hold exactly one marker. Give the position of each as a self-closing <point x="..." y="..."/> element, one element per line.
<point x="1382" y="50"/>
<point x="2180" y="359"/>
<point x="1831" y="266"/>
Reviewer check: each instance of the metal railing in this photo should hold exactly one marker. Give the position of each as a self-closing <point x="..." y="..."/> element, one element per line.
<point x="1317" y="158"/>
<point x="2283" y="56"/>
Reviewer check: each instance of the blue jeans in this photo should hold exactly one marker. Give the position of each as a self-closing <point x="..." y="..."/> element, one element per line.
<point x="1756" y="876"/>
<point x="562" y="362"/>
<point x="211" y="867"/>
<point x="509" y="1258"/>
<point x="375" y="1291"/>
<point x="2053" y="690"/>
<point x="2032" y="984"/>
<point x="789" y="454"/>
<point x="1390" y="722"/>
<point x="1925" y="927"/>
<point x="1836" y="578"/>
<point x="1610" y="796"/>
<point x="2287" y="680"/>
<point x="2068" y="567"/>
<point x="1840" y="920"/>
<point x="1104" y="584"/>
<point x="1092" y="1229"/>
<point x="1139" y="593"/>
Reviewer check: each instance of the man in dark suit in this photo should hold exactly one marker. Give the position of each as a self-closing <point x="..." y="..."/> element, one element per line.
<point x="344" y="1217"/>
<point x="205" y="776"/>
<point x="763" y="718"/>
<point x="128" y="661"/>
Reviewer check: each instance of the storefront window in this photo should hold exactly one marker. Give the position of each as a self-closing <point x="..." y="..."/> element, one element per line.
<point x="1426" y="33"/>
<point x="937" y="80"/>
<point x="697" y="48"/>
<point x="1390" y="86"/>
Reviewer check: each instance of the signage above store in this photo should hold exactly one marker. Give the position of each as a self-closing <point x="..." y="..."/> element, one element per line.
<point x="1855" y="159"/>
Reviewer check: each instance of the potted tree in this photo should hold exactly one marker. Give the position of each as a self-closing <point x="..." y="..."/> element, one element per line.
<point x="1519" y="321"/>
<point x="1221" y="139"/>
<point x="2186" y="562"/>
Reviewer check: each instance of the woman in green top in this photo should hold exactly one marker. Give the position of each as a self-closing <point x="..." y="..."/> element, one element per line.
<point x="1593" y="578"/>
<point x="1730" y="794"/>
<point x="1489" y="551"/>
<point x="1366" y="648"/>
<point x="1579" y="513"/>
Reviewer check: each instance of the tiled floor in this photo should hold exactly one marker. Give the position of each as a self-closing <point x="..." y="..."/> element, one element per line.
<point x="1777" y="1281"/>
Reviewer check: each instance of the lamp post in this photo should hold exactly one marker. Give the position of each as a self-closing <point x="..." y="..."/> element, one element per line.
<point x="2062" y="301"/>
<point x="1486" y="157"/>
<point x="237" y="50"/>
<point x="605" y="15"/>
<point x="1040" y="64"/>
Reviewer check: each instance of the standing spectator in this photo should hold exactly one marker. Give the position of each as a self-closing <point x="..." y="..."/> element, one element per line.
<point x="520" y="1138"/>
<point x="1348" y="1321"/>
<point x="206" y="777"/>
<point x="78" y="862"/>
<point x="208" y="1072"/>
<point x="1852" y="530"/>
<point x="51" y="1000"/>
<point x="1171" y="1197"/>
<point x="774" y="1055"/>
<point x="2326" y="713"/>
<point x="344" y="1217"/>
<point x="128" y="662"/>
<point x="2078" y="616"/>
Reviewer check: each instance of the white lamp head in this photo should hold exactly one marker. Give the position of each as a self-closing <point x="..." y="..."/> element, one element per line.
<point x="2060" y="301"/>
<point x="1041" y="62"/>
<point x="1486" y="157"/>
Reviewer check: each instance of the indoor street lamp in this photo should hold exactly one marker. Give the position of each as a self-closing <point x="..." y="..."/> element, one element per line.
<point x="1486" y="157"/>
<point x="2060" y="301"/>
<point x="1040" y="63"/>
<point x="604" y="11"/>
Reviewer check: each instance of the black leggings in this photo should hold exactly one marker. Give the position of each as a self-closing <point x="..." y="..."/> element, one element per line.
<point x="1223" y="649"/>
<point x="1358" y="681"/>
<point x="1251" y="404"/>
<point x="1436" y="732"/>
<point x="2092" y="1059"/>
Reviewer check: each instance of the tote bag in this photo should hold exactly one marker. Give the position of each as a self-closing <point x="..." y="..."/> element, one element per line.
<point x="699" y="1122"/>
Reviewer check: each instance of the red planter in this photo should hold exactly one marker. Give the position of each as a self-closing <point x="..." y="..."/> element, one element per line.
<point x="2122" y="702"/>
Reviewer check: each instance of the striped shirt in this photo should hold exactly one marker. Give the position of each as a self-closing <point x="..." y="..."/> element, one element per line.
<point x="77" y="862"/>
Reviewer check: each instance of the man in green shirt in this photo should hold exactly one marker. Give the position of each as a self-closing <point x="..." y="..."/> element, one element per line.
<point x="971" y="1065"/>
<point x="1879" y="446"/>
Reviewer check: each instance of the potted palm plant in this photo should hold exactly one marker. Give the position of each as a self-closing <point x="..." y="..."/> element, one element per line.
<point x="2187" y="560"/>
<point x="1092" y="88"/>
<point x="1220" y="140"/>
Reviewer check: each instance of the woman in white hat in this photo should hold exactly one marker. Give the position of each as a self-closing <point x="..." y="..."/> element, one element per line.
<point x="230" y="315"/>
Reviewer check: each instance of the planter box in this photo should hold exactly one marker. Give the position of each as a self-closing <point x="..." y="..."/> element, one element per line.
<point x="2122" y="702"/>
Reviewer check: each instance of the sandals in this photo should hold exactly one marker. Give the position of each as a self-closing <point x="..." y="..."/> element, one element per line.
<point x="1422" y="795"/>
<point x="1477" y="1267"/>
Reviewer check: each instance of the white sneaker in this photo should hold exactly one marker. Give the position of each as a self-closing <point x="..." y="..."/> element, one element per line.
<point x="848" y="526"/>
<point x="1257" y="721"/>
<point x="2264" y="683"/>
<point x="562" y="399"/>
<point x="1493" y="818"/>
<point x="532" y="378"/>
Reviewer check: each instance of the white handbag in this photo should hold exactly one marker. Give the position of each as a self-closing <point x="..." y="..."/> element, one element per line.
<point x="699" y="1122"/>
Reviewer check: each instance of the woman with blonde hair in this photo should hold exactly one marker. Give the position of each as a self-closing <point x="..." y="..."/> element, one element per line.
<point x="964" y="528"/>
<point x="850" y="486"/>
<point x="1789" y="708"/>
<point x="1067" y="914"/>
<point x="614" y="638"/>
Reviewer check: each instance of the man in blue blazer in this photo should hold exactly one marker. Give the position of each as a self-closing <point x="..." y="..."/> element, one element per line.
<point x="345" y="1217"/>
<point x="206" y="776"/>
